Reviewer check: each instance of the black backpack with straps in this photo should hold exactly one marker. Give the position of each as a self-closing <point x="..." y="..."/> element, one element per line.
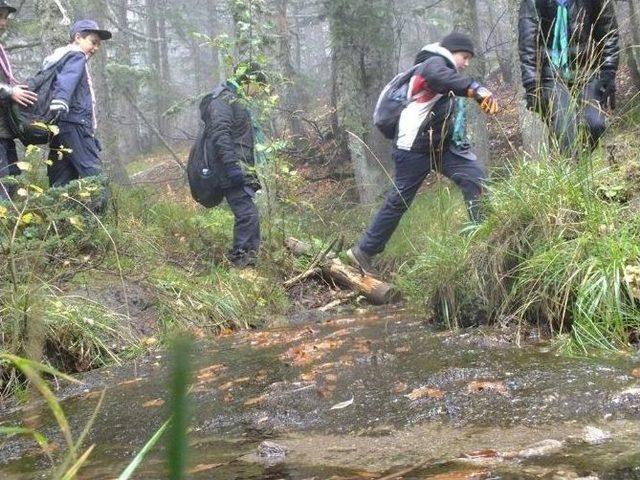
<point x="29" y="124"/>
<point x="203" y="171"/>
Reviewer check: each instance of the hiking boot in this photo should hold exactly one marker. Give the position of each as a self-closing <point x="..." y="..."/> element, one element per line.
<point x="241" y="258"/>
<point x="360" y="259"/>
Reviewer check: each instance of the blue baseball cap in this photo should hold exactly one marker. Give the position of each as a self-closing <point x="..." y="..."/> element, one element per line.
<point x="90" y="26"/>
<point x="4" y="4"/>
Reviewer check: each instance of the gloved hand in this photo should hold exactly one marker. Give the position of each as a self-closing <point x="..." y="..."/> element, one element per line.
<point x="608" y="88"/>
<point x="235" y="175"/>
<point x="58" y="107"/>
<point x="484" y="97"/>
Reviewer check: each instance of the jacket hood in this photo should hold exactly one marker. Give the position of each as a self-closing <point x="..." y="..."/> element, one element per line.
<point x="58" y="54"/>
<point x="436" y="49"/>
<point x="204" y="103"/>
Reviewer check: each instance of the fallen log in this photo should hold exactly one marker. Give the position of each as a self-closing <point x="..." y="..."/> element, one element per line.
<point x="376" y="291"/>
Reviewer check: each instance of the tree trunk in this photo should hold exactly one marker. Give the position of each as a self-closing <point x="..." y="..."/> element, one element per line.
<point x="362" y="59"/>
<point x="126" y="120"/>
<point x="54" y="17"/>
<point x="468" y="21"/>
<point x="376" y="291"/>
<point x="107" y="130"/>
<point x="634" y="50"/>
<point x="291" y="93"/>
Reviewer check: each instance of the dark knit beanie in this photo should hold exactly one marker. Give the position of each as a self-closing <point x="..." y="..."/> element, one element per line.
<point x="458" y="42"/>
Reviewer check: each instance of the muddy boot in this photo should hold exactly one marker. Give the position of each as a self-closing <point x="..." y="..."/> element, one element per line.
<point x="242" y="259"/>
<point x="360" y="259"/>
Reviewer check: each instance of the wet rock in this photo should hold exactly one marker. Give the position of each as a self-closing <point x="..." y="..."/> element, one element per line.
<point x="627" y="395"/>
<point x="271" y="451"/>
<point x="540" y="449"/>
<point x="595" y="436"/>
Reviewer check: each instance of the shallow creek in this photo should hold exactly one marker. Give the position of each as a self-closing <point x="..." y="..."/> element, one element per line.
<point x="374" y="396"/>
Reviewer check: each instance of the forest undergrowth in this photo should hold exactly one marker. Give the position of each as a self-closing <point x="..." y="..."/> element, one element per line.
<point x="560" y="249"/>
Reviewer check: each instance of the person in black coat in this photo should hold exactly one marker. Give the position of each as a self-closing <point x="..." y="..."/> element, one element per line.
<point x="230" y="139"/>
<point x="569" y="54"/>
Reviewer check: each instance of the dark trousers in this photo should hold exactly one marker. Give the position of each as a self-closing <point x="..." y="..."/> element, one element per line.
<point x="246" y="229"/>
<point x="565" y="111"/>
<point x="463" y="168"/>
<point x="81" y="161"/>
<point x="8" y="158"/>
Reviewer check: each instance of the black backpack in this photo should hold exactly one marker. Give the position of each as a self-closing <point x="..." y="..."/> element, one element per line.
<point x="29" y="124"/>
<point x="392" y="101"/>
<point x="203" y="171"/>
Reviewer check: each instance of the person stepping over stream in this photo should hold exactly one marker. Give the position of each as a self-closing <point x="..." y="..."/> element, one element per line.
<point x="430" y="134"/>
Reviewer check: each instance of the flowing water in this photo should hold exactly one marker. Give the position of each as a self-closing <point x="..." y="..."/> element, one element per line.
<point x="368" y="397"/>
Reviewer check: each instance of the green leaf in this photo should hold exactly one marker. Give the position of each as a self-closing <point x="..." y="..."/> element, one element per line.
<point x="24" y="166"/>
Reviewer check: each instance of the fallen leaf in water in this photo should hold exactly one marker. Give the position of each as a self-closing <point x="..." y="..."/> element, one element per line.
<point x="225" y="386"/>
<point x="308" y="377"/>
<point x="308" y="353"/>
<point x="129" y="382"/>
<point x="460" y="476"/>
<point x="209" y="373"/>
<point x="481" y="454"/>
<point x="341" y="405"/>
<point x="363" y="346"/>
<point x="326" y="391"/>
<point x="331" y="377"/>
<point x="400" y="387"/>
<point x="481" y="386"/>
<point x="255" y="400"/>
<point x="204" y="468"/>
<point x="636" y="372"/>
<point x="423" y="392"/>
<point x="158" y="402"/>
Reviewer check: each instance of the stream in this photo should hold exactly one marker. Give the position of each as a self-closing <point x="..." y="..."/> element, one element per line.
<point x="381" y="395"/>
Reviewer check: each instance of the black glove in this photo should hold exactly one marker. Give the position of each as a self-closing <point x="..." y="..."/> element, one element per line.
<point x="235" y="175"/>
<point x="608" y="89"/>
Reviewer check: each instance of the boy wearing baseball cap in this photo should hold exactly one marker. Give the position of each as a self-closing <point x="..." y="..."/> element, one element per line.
<point x="74" y="151"/>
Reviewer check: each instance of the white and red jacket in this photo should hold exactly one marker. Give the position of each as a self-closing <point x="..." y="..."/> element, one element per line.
<point x="424" y="125"/>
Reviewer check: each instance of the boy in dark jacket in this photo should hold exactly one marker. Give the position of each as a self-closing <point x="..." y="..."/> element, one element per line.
<point x="428" y="138"/>
<point x="230" y="138"/>
<point x="569" y="53"/>
<point x="10" y="92"/>
<point x="74" y="105"/>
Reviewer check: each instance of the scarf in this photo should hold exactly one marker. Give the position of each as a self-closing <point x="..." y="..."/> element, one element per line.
<point x="6" y="66"/>
<point x="459" y="136"/>
<point x="560" y="45"/>
<point x="56" y="56"/>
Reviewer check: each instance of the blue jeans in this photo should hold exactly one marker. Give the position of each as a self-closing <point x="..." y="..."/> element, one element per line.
<point x="8" y="158"/>
<point x="462" y="167"/>
<point x="83" y="160"/>
<point x="246" y="229"/>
